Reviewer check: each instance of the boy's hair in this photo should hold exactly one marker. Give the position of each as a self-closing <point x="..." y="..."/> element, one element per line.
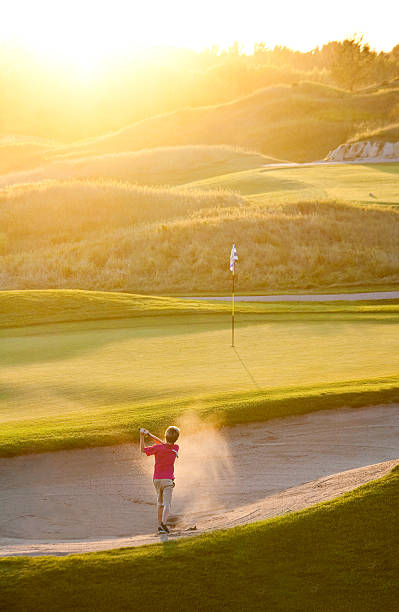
<point x="172" y="434"/>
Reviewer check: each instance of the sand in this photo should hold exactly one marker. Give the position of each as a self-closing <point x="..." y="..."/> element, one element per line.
<point x="98" y="499"/>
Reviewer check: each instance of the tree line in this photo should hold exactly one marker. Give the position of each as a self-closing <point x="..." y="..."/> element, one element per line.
<point x="46" y="101"/>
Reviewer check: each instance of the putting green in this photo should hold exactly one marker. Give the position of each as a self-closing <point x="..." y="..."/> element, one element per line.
<point x="109" y="362"/>
<point x="353" y="182"/>
<point x="75" y="367"/>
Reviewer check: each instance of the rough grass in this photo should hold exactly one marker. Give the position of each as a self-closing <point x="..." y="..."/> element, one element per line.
<point x="93" y="237"/>
<point x="339" y="555"/>
<point x="300" y="123"/>
<point x="159" y="166"/>
<point x="389" y="133"/>
<point x="94" y="381"/>
<point x="42" y="214"/>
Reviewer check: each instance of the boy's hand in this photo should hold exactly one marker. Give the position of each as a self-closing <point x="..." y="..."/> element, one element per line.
<point x="143" y="431"/>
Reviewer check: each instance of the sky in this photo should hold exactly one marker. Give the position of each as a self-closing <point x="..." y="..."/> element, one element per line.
<point x="88" y="31"/>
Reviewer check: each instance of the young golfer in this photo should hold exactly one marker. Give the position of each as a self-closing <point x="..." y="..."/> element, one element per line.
<point x="165" y="454"/>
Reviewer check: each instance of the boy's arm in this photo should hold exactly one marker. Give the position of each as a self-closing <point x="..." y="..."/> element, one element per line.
<point x="142" y="434"/>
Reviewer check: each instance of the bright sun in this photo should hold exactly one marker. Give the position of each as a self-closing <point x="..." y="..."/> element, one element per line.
<point x="85" y="33"/>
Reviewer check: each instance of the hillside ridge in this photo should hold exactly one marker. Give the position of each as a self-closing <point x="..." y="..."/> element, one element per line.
<point x="298" y="123"/>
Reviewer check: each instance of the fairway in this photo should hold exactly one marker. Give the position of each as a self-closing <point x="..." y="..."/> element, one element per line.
<point x="351" y="182"/>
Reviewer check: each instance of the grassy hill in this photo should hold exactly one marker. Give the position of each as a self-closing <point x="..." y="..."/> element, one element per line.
<point x="158" y="166"/>
<point x="21" y="154"/>
<point x="50" y="214"/>
<point x="120" y="237"/>
<point x="389" y="133"/>
<point x="78" y="368"/>
<point x="298" y="123"/>
<point x="344" y="182"/>
<point x="391" y="84"/>
<point x="339" y="555"/>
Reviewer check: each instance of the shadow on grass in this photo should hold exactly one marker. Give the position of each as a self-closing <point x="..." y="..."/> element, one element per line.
<point x="64" y="341"/>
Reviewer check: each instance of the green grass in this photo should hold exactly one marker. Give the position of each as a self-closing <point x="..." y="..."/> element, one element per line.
<point x="87" y="369"/>
<point x="341" y="555"/>
<point x="49" y="306"/>
<point x="41" y="307"/>
<point x="350" y="182"/>
<point x="88" y="426"/>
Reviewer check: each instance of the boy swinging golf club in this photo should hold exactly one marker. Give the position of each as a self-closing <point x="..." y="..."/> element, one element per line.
<point x="165" y="454"/>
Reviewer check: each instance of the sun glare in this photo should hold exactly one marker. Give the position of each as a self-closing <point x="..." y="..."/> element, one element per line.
<point x="84" y="33"/>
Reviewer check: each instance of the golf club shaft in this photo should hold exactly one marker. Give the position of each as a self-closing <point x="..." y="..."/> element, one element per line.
<point x="158" y="440"/>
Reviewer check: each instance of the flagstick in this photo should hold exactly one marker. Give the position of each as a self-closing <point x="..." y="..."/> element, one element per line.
<point x="232" y="313"/>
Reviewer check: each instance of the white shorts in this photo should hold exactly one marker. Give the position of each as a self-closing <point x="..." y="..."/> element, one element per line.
<point x="164" y="489"/>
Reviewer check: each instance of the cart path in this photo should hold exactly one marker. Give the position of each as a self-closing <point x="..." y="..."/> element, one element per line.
<point x="324" y="297"/>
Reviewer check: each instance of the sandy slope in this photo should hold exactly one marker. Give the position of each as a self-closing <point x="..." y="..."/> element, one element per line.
<point x="97" y="499"/>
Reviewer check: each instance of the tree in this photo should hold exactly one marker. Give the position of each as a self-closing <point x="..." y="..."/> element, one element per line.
<point x="351" y="63"/>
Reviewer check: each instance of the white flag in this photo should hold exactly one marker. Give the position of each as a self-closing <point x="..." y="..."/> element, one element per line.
<point x="233" y="257"/>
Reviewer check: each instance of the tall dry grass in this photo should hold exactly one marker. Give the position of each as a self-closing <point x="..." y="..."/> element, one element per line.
<point x="304" y="245"/>
<point x="40" y="214"/>
<point x="389" y="133"/>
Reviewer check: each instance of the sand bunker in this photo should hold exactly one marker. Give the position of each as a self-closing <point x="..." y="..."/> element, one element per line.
<point x="97" y="499"/>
